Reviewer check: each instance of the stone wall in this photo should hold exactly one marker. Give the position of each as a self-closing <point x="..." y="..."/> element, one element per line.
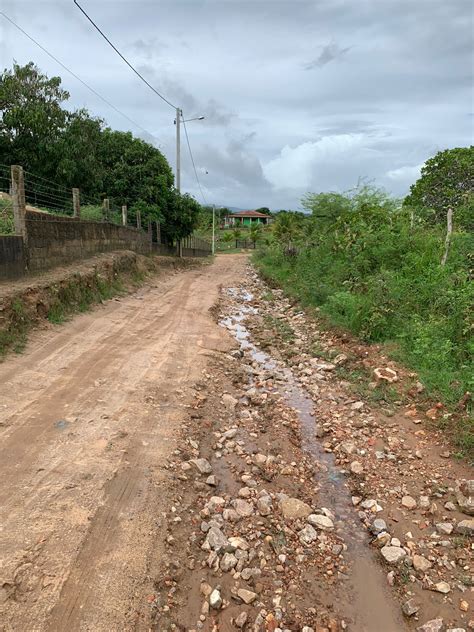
<point x="12" y="257"/>
<point x="53" y="240"/>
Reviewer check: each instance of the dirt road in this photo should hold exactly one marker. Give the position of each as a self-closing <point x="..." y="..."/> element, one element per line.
<point x="88" y="417"/>
<point x="160" y="473"/>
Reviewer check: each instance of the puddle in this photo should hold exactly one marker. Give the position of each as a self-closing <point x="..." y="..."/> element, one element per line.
<point x="367" y="600"/>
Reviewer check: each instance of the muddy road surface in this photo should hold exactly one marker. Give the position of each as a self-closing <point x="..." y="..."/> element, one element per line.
<point x="88" y="415"/>
<point x="193" y="457"/>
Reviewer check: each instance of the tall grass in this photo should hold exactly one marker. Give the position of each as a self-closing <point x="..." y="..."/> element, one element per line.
<point x="379" y="276"/>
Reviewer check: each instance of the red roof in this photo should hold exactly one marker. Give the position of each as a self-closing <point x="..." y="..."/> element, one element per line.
<point x="248" y="214"/>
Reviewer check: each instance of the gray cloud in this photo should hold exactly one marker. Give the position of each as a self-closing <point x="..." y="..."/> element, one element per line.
<point x="329" y="53"/>
<point x="273" y="130"/>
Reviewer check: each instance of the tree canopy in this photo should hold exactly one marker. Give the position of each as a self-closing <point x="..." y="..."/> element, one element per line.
<point x="75" y="149"/>
<point x="447" y="181"/>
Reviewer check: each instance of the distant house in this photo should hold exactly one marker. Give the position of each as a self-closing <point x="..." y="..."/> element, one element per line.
<point x="246" y="218"/>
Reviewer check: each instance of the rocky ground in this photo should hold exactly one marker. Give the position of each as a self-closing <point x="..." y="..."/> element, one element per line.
<point x="304" y="500"/>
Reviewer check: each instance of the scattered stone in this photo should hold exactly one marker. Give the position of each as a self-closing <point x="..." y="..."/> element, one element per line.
<point x="247" y="596"/>
<point x="409" y="502"/>
<point x="409" y="608"/>
<point x="421" y="564"/>
<point x="392" y="554"/>
<point x="377" y="526"/>
<point x="321" y="522"/>
<point x="229" y="402"/>
<point x="464" y="605"/>
<point x="385" y="374"/>
<point x="356" y="467"/>
<point x="241" y="620"/>
<point x="202" y="465"/>
<point x="264" y="505"/>
<point x="215" y="599"/>
<point x="435" y="625"/>
<point x="211" y="481"/>
<point x="242" y="507"/>
<point x="441" y="587"/>
<point x="465" y="527"/>
<point x="292" y="508"/>
<point x="445" y="528"/>
<point x="228" y="562"/>
<point x="465" y="496"/>
<point x="308" y="535"/>
<point x="215" y="540"/>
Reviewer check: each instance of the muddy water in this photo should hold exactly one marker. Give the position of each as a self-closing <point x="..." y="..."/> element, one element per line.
<point x="366" y="600"/>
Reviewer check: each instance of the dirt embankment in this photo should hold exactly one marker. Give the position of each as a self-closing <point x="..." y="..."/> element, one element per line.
<point x="50" y="297"/>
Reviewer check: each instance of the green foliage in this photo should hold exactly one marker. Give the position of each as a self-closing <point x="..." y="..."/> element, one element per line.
<point x="447" y="181"/>
<point x="372" y="270"/>
<point x="75" y="149"/>
<point x="32" y="118"/>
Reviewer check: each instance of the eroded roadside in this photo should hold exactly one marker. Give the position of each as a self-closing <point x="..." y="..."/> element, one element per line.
<point x="298" y="506"/>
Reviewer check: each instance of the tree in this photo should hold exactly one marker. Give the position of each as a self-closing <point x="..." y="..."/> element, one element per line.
<point x="77" y="154"/>
<point x="264" y="209"/>
<point x="32" y="118"/>
<point x="447" y="181"/>
<point x="255" y="232"/>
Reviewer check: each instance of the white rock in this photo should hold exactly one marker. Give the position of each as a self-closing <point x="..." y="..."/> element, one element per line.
<point x="215" y="540"/>
<point x="441" y="587"/>
<point x="409" y="502"/>
<point x="202" y="465"/>
<point x="215" y="599"/>
<point x="356" y="467"/>
<point x="465" y="496"/>
<point x="420" y="563"/>
<point x="308" y="534"/>
<point x="292" y="508"/>
<point x="465" y="527"/>
<point x="392" y="554"/>
<point x="228" y="562"/>
<point x="445" y="528"/>
<point x="247" y="596"/>
<point x="320" y="522"/>
<point x="242" y="507"/>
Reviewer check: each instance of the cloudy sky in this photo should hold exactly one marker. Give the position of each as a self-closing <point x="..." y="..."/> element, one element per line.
<point x="298" y="95"/>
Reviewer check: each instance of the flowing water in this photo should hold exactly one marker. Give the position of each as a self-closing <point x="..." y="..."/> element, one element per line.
<point x="369" y="603"/>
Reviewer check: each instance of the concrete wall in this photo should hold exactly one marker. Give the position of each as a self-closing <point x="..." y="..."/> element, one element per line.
<point x="12" y="257"/>
<point x="53" y="241"/>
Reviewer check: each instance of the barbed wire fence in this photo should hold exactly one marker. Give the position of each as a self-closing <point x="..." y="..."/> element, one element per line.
<point x="46" y="199"/>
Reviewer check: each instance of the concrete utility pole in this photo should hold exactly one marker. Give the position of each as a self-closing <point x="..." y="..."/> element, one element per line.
<point x="124" y="215"/>
<point x="213" y="228"/>
<point x="178" y="149"/>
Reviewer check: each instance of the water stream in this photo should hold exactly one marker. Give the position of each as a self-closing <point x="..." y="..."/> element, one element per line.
<point x="369" y="603"/>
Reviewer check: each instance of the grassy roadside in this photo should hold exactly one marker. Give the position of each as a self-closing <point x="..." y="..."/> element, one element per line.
<point x="457" y="421"/>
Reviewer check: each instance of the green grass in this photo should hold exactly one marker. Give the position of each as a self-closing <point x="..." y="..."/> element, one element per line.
<point x="6" y="218"/>
<point x="392" y="290"/>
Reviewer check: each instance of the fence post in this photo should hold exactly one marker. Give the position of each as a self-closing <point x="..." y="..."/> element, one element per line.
<point x="19" y="204"/>
<point x="105" y="209"/>
<point x="124" y="215"/>
<point x="76" y="203"/>
<point x="139" y="219"/>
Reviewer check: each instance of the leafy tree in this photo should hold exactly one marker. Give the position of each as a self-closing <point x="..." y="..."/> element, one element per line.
<point x="180" y="217"/>
<point x="264" y="209"/>
<point x="447" y="181"/>
<point x="77" y="154"/>
<point x="32" y="119"/>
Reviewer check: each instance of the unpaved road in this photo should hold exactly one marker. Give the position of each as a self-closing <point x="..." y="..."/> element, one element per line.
<point x="88" y="417"/>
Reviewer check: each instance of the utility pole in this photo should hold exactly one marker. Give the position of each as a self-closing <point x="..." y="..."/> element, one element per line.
<point x="213" y="228"/>
<point x="178" y="150"/>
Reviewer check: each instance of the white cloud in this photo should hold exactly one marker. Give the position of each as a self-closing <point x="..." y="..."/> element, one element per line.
<point x="296" y="167"/>
<point x="405" y="174"/>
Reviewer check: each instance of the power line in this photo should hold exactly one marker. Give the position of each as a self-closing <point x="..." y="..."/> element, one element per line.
<point x="124" y="58"/>
<point x="75" y="76"/>
<point x="192" y="159"/>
